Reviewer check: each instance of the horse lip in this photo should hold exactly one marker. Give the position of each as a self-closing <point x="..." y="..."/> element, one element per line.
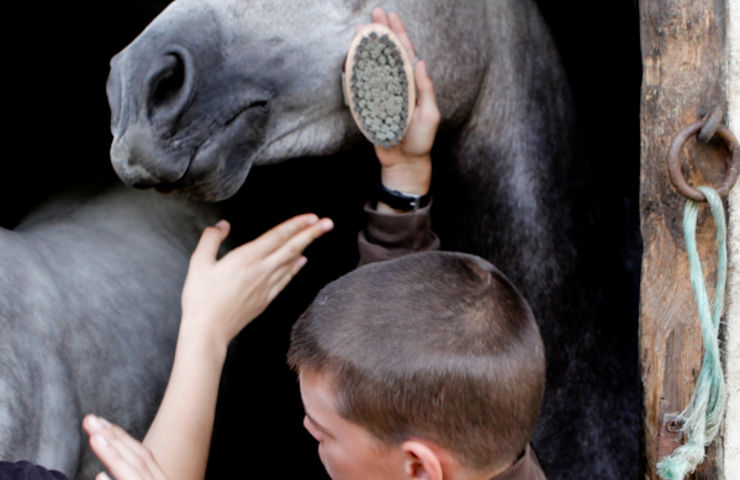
<point x="231" y="120"/>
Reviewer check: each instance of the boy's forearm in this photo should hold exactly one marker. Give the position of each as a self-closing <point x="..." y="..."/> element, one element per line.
<point x="180" y="434"/>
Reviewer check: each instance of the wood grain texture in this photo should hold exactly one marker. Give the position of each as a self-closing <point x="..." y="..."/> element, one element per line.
<point x="732" y="346"/>
<point x="684" y="66"/>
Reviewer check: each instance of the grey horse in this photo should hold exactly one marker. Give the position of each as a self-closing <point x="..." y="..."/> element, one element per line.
<point x="90" y="287"/>
<point x="213" y="87"/>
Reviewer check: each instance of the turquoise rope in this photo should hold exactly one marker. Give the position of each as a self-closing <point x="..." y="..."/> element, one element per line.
<point x="703" y="415"/>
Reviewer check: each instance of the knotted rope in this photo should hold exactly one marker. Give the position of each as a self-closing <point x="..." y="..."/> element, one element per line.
<point x="702" y="417"/>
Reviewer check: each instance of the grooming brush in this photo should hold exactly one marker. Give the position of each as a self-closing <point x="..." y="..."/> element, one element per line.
<point x="378" y="84"/>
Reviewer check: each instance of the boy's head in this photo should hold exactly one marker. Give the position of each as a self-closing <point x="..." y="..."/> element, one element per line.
<point x="433" y="353"/>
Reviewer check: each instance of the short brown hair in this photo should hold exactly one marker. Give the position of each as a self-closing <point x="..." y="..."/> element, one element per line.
<point x="433" y="345"/>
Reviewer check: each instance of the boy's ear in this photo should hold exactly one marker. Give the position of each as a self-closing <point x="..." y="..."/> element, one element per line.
<point x="421" y="461"/>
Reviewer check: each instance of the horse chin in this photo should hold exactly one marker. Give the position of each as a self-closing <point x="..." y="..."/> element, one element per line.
<point x="219" y="165"/>
<point x="209" y="189"/>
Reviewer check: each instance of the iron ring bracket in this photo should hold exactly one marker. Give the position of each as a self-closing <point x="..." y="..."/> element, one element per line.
<point x="674" y="162"/>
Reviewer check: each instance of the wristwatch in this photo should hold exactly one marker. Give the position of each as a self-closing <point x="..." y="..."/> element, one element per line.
<point x="401" y="201"/>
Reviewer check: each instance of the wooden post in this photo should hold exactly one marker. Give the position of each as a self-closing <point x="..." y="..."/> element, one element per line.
<point x="684" y="68"/>
<point x="732" y="344"/>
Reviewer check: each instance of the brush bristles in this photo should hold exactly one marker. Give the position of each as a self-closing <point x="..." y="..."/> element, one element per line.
<point x="379" y="89"/>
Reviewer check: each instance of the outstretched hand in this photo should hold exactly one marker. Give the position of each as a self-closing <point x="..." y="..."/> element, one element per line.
<point x="123" y="456"/>
<point x="222" y="296"/>
<point x="407" y="167"/>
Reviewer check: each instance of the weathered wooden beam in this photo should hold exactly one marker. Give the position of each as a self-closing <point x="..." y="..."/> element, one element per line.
<point x="684" y="68"/>
<point x="732" y="345"/>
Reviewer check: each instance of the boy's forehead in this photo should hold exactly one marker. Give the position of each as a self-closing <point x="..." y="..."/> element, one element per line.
<point x="319" y="401"/>
<point x="317" y="389"/>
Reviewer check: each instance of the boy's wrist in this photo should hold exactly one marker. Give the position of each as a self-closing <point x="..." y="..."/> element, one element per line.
<point x="200" y="339"/>
<point x="411" y="178"/>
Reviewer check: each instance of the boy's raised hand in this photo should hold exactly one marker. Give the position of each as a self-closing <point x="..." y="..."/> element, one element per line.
<point x="407" y="167"/>
<point x="222" y="296"/>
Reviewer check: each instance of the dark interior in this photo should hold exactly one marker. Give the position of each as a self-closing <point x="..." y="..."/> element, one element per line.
<point x="58" y="138"/>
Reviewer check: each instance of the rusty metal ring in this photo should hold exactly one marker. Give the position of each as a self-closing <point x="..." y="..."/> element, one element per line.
<point x="711" y="123"/>
<point x="674" y="162"/>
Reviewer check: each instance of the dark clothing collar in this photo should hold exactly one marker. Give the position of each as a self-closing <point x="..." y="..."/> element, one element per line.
<point x="527" y="467"/>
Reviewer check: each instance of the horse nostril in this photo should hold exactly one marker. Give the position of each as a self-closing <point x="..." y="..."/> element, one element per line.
<point x="169" y="82"/>
<point x="169" y="89"/>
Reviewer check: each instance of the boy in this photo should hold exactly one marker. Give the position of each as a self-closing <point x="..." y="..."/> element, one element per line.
<point x="425" y="366"/>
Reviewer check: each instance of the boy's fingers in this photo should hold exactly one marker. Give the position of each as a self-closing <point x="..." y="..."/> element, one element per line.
<point x="132" y="452"/>
<point x="287" y="269"/>
<point x="132" y="446"/>
<point x="424" y="82"/>
<point x="427" y="97"/>
<point x="91" y="424"/>
<point x="427" y="114"/>
<point x="395" y="24"/>
<point x="378" y="15"/>
<point x="278" y="236"/>
<point x="393" y="21"/>
<point x="283" y="277"/>
<point x="118" y="446"/>
<point x="297" y="266"/>
<point x="113" y="459"/>
<point x="210" y="240"/>
<point x="293" y="248"/>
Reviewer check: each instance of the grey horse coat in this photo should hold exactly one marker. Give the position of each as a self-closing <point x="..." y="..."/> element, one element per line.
<point x="90" y="288"/>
